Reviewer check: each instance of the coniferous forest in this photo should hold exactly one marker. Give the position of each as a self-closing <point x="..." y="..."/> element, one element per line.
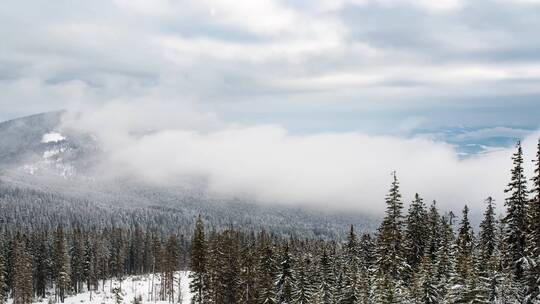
<point x="418" y="254"/>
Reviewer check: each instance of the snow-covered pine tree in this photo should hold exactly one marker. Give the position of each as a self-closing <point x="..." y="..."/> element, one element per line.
<point x="416" y="233"/>
<point x="62" y="267"/>
<point x="390" y="259"/>
<point x="533" y="237"/>
<point x="459" y="292"/>
<point x="285" y="280"/>
<point x="434" y="230"/>
<point x="302" y="290"/>
<point x="266" y="272"/>
<point x="351" y="288"/>
<point x="428" y="281"/>
<point x="487" y="262"/>
<point x="198" y="264"/>
<point x="228" y="274"/>
<point x="504" y="288"/>
<point x="445" y="259"/>
<point x="77" y="260"/>
<point x="516" y="216"/>
<point x="487" y="237"/>
<point x="327" y="278"/>
<point x="248" y="272"/>
<point x="41" y="262"/>
<point x="22" y="272"/>
<point x="170" y="266"/>
<point x="3" y="274"/>
<point x="367" y="267"/>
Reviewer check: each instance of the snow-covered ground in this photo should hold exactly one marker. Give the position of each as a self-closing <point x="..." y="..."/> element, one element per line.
<point x="133" y="286"/>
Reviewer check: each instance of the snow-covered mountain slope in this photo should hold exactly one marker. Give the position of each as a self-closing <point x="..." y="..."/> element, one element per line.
<point x="36" y="145"/>
<point x="36" y="154"/>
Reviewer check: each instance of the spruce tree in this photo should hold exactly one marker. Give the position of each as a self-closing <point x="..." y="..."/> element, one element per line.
<point x="464" y="261"/>
<point x="326" y="288"/>
<point x="428" y="282"/>
<point x="302" y="290"/>
<point x="22" y="272"/>
<point x="488" y="241"/>
<point x="3" y="275"/>
<point x="198" y="264"/>
<point x="267" y="272"/>
<point x="416" y="234"/>
<point x="62" y="267"/>
<point x="285" y="280"/>
<point x="389" y="249"/>
<point x="516" y="216"/>
<point x="351" y="291"/>
<point x="445" y="259"/>
<point x="533" y="237"/>
<point x="170" y="267"/>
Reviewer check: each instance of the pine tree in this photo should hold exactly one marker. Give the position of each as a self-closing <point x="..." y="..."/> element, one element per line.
<point x="465" y="247"/>
<point x="416" y="234"/>
<point x="352" y="292"/>
<point x="327" y="279"/>
<point x="77" y="261"/>
<point x="267" y="270"/>
<point x="434" y="230"/>
<point x="459" y="291"/>
<point x="171" y="266"/>
<point x="3" y="275"/>
<point x="533" y="237"/>
<point x="488" y="241"/>
<point x="428" y="282"/>
<point x="516" y="217"/>
<point x="198" y="264"/>
<point x="22" y="272"/>
<point x="389" y="249"/>
<point x="445" y="259"/>
<point x="62" y="268"/>
<point x="285" y="281"/>
<point x="302" y="289"/>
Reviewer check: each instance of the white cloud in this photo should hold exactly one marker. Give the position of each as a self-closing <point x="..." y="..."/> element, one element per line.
<point x="266" y="163"/>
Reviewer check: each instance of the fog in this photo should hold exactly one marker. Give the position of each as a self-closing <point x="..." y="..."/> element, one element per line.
<point x="168" y="143"/>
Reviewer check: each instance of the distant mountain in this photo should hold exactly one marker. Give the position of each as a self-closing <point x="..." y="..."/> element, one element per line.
<point x="41" y="162"/>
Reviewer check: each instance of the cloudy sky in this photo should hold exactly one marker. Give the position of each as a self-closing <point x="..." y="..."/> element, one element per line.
<point x="320" y="65"/>
<point x="306" y="101"/>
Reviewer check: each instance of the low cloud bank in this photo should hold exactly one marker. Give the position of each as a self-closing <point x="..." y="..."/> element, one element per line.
<point x="166" y="144"/>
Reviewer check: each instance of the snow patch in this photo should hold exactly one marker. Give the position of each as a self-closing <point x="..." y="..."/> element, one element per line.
<point x="52" y="137"/>
<point x="131" y="287"/>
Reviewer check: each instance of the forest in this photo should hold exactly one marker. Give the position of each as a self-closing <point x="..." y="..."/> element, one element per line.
<point x="418" y="255"/>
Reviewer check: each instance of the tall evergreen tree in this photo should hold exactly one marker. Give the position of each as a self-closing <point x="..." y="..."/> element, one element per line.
<point x="533" y="237"/>
<point x="516" y="217"/>
<point x="389" y="250"/>
<point x="460" y="292"/>
<point x="416" y="234"/>
<point x="326" y="288"/>
<point x="3" y="274"/>
<point x="285" y="279"/>
<point x="488" y="241"/>
<point x="198" y="264"/>
<point x="62" y="267"/>
<point x="267" y="271"/>
<point x="22" y="272"/>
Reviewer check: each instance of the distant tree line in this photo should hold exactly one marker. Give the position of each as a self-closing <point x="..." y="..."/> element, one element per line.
<point x="419" y="255"/>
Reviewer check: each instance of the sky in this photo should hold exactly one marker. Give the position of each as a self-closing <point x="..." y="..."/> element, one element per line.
<point x="449" y="82"/>
<point x="378" y="66"/>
